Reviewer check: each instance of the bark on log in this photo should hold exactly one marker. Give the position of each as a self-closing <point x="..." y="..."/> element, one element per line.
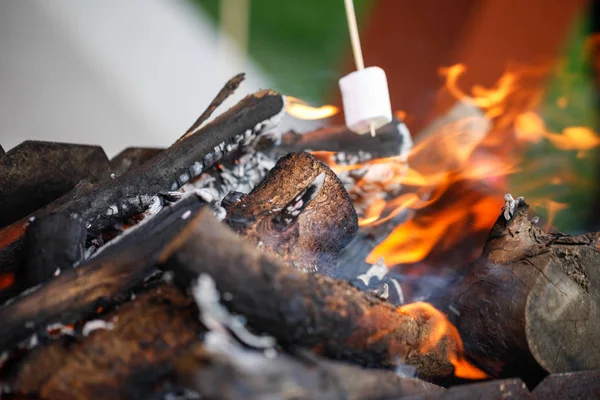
<point x="35" y="173"/>
<point x="391" y="140"/>
<point x="54" y="243"/>
<point x="531" y="293"/>
<point x="300" y="212"/>
<point x="102" y="281"/>
<point x="128" y="360"/>
<point x="132" y="157"/>
<point x="242" y="374"/>
<point x="297" y="308"/>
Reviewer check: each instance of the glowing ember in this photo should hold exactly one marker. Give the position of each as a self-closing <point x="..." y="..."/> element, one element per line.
<point x="299" y="109"/>
<point x="441" y="329"/>
<point x="6" y="280"/>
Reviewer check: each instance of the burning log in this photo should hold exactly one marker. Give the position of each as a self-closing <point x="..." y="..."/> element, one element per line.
<point x="299" y="212"/>
<point x="311" y="310"/>
<point x="531" y="296"/>
<point x="103" y="281"/>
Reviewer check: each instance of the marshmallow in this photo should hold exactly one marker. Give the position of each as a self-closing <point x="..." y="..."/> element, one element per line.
<point x="366" y="99"/>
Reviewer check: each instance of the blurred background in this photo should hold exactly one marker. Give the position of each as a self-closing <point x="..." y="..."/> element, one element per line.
<point x="138" y="72"/>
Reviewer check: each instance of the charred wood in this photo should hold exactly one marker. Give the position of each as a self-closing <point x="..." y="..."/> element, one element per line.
<point x="132" y="157"/>
<point x="54" y="243"/>
<point x="300" y="212"/>
<point x="531" y="300"/>
<point x="297" y="308"/>
<point x="391" y="140"/>
<point x="103" y="281"/>
<point x="135" y="191"/>
<point x="133" y="349"/>
<point x="242" y="374"/>
<point x="35" y="173"/>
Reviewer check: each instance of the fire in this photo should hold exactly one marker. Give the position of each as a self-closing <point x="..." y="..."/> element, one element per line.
<point x="299" y="109"/>
<point x="451" y="184"/>
<point x="441" y="328"/>
<point x="6" y="280"/>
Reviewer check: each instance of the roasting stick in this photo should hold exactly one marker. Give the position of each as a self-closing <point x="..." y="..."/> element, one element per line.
<point x="365" y="93"/>
<point x="355" y="40"/>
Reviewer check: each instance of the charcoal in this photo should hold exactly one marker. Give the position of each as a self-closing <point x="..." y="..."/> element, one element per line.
<point x="35" y="173"/>
<point x="132" y="157"/>
<point x="507" y="389"/>
<point x="574" y="385"/>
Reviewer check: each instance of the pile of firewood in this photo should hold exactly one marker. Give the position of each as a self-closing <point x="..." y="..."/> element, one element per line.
<point x="208" y="270"/>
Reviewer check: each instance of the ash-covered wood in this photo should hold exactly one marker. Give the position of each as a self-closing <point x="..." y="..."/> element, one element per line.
<point x="297" y="308"/>
<point x="134" y="191"/>
<point x="531" y="295"/>
<point x="54" y="243"/>
<point x="391" y="140"/>
<point x="102" y="281"/>
<point x="132" y="157"/>
<point x="242" y="374"/>
<point x="126" y="358"/>
<point x="299" y="212"/>
<point x="35" y="173"/>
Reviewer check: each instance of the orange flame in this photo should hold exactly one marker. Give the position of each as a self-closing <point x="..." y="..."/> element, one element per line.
<point x="300" y="109"/>
<point x="441" y="328"/>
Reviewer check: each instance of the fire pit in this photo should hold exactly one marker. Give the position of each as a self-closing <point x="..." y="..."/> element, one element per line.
<point x="242" y="263"/>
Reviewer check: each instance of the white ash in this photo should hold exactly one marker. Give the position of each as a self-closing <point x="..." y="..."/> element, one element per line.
<point x="407" y="142"/>
<point x="377" y="270"/>
<point x="186" y="214"/>
<point x="217" y="318"/>
<point x="56" y="272"/>
<point x="384" y="292"/>
<point x="510" y="205"/>
<point x="454" y="310"/>
<point x="407" y="371"/>
<point x="96" y="324"/>
<point x="535" y="220"/>
<point x="398" y="290"/>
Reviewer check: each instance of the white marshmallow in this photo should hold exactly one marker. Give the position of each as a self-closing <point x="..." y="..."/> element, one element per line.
<point x="366" y="99"/>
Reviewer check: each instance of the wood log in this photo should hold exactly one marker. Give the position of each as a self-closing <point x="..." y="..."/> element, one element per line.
<point x="127" y="359"/>
<point x="310" y="310"/>
<point x="391" y="140"/>
<point x="531" y="296"/>
<point x="242" y="374"/>
<point x="300" y="212"/>
<point x="35" y="173"/>
<point x="132" y="157"/>
<point x="54" y="243"/>
<point x="103" y="281"/>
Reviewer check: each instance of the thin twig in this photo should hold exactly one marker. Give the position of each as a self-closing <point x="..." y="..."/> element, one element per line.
<point x="227" y="91"/>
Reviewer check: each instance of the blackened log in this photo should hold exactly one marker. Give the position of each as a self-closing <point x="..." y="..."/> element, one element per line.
<point x="574" y="385"/>
<point x="135" y="190"/>
<point x="132" y="157"/>
<point x="54" y="243"/>
<point x="531" y="300"/>
<point x="297" y="308"/>
<point x="507" y="389"/>
<point x="125" y="361"/>
<point x="391" y="140"/>
<point x="11" y="244"/>
<point x="35" y="173"/>
<point x="103" y="281"/>
<point x="300" y="212"/>
<point x="222" y="375"/>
